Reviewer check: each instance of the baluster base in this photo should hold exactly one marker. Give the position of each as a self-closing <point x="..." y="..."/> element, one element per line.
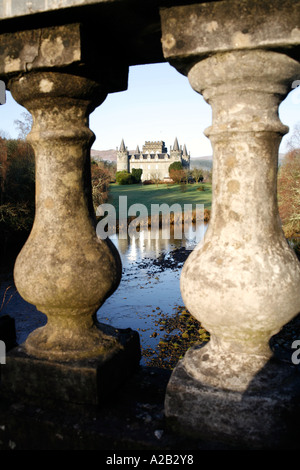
<point x="83" y="382"/>
<point x="265" y="415"/>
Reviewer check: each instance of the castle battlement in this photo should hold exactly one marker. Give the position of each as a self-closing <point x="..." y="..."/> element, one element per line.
<point x="154" y="147"/>
<point x="158" y="142"/>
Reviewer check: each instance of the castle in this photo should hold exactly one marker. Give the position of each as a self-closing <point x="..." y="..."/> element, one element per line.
<point x="154" y="159"/>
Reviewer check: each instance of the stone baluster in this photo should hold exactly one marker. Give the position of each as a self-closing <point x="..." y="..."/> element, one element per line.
<point x="242" y="284"/>
<point x="63" y="269"/>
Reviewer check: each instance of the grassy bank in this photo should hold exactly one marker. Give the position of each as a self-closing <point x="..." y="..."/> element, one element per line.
<point x="163" y="193"/>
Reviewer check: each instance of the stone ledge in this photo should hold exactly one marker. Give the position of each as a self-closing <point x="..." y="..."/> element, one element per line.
<point x="23" y="51"/>
<point x="68" y="48"/>
<point x="86" y="381"/>
<point x="131" y="418"/>
<point x="190" y="32"/>
<point x="260" y="418"/>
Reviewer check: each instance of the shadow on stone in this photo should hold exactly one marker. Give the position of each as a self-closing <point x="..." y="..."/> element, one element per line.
<point x="83" y="382"/>
<point x="265" y="416"/>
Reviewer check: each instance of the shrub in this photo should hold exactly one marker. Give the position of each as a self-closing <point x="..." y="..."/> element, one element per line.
<point x="137" y="174"/>
<point x="197" y="174"/>
<point x="148" y="182"/>
<point x="123" y="177"/>
<point x="17" y="195"/>
<point x="177" y="176"/>
<point x="175" y="166"/>
<point x="17" y="172"/>
<point x="101" y="179"/>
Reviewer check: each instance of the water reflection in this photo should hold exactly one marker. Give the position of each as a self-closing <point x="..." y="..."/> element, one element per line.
<point x="151" y="243"/>
<point x="149" y="286"/>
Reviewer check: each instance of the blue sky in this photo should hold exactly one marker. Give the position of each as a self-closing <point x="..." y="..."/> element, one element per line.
<point x="159" y="104"/>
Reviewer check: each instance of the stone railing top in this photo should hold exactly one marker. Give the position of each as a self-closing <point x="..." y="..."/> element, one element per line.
<point x="17" y="8"/>
<point x="13" y="8"/>
<point x="196" y="30"/>
<point x="57" y="47"/>
<point x="127" y="29"/>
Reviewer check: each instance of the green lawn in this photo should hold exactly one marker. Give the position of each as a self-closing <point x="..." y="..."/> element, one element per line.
<point x="163" y="193"/>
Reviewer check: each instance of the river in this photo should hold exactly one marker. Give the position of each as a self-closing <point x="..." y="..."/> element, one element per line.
<point x="150" y="281"/>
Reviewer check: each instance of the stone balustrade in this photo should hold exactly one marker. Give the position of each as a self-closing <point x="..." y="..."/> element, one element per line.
<point x="243" y="282"/>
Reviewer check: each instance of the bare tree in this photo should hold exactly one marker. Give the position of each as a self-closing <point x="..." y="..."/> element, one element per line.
<point x="24" y="125"/>
<point x="197" y="174"/>
<point x="294" y="140"/>
<point x="155" y="178"/>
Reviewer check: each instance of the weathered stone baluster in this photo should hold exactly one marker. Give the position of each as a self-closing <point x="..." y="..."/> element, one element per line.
<point x="245" y="264"/>
<point x="63" y="268"/>
<point x="243" y="283"/>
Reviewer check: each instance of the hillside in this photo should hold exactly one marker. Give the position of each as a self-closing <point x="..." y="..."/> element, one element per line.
<point x="109" y="155"/>
<point x="206" y="162"/>
<point x="202" y="162"/>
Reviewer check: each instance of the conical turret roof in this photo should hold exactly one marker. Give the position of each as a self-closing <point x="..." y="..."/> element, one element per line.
<point x="122" y="146"/>
<point x="175" y="146"/>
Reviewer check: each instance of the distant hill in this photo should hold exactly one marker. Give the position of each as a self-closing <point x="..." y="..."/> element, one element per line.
<point x="206" y="162"/>
<point x="202" y="162"/>
<point x="198" y="162"/>
<point x="108" y="155"/>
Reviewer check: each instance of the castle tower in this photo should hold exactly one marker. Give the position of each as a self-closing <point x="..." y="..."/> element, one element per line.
<point x="185" y="158"/>
<point x="175" y="152"/>
<point x="176" y="146"/>
<point x="122" y="158"/>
